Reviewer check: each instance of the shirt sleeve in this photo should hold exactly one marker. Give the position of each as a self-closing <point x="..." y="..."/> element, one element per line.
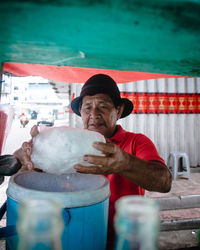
<point x="146" y="150"/>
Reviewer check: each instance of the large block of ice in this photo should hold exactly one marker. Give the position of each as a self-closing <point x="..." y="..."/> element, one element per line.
<point x="57" y="149"/>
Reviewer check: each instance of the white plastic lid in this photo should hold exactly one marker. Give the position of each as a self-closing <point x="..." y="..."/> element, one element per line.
<point x="73" y="189"/>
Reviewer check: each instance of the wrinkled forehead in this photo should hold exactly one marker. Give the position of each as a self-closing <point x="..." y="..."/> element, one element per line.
<point x="98" y="98"/>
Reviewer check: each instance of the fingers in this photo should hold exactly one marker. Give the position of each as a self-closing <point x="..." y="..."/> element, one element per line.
<point x="34" y="131"/>
<point x="24" y="159"/>
<point x="89" y="170"/>
<point x="105" y="148"/>
<point x="96" y="160"/>
<point x="27" y="148"/>
<point x="23" y="155"/>
<point x="100" y="165"/>
<point x="28" y="163"/>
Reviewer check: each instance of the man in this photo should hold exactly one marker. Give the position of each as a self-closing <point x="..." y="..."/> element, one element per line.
<point x="131" y="161"/>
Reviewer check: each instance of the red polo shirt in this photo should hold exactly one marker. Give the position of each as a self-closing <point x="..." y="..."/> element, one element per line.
<point x="135" y="144"/>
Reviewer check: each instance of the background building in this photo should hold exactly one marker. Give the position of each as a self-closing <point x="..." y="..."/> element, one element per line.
<point x="28" y="94"/>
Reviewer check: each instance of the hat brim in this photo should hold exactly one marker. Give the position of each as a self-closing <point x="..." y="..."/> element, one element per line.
<point x="128" y="106"/>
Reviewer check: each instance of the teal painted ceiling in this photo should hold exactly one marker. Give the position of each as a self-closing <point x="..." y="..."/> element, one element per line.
<point x="144" y="36"/>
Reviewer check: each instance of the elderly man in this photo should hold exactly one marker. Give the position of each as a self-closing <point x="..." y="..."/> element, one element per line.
<point x="131" y="162"/>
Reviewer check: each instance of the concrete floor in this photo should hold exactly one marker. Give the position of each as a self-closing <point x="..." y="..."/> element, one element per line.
<point x="183" y="239"/>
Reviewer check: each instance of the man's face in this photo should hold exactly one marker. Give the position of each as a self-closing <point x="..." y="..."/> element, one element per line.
<point x="99" y="114"/>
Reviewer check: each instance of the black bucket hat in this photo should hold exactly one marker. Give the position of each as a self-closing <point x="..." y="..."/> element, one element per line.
<point x="102" y="84"/>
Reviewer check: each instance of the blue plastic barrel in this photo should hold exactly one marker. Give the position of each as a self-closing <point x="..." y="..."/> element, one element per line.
<point x="85" y="200"/>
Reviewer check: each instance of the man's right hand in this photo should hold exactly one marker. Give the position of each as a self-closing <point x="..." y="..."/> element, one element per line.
<point x="23" y="154"/>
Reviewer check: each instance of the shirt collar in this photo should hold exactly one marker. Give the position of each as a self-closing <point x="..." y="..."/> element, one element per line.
<point x="117" y="137"/>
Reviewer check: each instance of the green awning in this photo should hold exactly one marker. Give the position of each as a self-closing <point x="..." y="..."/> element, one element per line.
<point x="144" y="36"/>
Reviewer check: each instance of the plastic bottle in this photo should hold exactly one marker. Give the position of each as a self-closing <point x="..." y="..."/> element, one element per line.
<point x="136" y="223"/>
<point x="40" y="225"/>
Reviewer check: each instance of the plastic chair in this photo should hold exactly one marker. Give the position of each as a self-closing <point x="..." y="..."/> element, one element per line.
<point x="177" y="166"/>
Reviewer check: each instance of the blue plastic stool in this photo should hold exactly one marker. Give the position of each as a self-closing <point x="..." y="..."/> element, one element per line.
<point x="176" y="168"/>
